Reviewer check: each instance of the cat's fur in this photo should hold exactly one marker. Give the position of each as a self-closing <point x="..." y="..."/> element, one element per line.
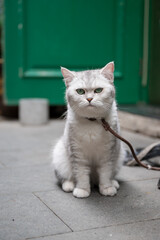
<point x="86" y="152"/>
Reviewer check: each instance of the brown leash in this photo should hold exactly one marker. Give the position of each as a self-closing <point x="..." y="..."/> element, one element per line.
<point x="108" y="128"/>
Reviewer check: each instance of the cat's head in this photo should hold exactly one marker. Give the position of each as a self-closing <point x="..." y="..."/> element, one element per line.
<point x="90" y="93"/>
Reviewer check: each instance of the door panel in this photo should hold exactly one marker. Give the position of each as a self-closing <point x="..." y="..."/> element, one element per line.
<point x="74" y="34"/>
<point x="154" y="84"/>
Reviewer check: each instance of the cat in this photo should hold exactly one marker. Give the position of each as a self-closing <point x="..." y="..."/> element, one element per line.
<point x="86" y="152"/>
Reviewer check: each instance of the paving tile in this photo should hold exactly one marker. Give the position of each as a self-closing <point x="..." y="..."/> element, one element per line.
<point x="25" y="216"/>
<point x="17" y="137"/>
<point x="27" y="179"/>
<point x="136" y="201"/>
<point x="15" y="141"/>
<point x="25" y="168"/>
<point x="136" y="173"/>
<point x="1" y="165"/>
<point x="22" y="146"/>
<point x="23" y="158"/>
<point x="147" y="230"/>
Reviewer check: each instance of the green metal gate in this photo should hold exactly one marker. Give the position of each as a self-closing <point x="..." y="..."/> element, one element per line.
<point x="42" y="35"/>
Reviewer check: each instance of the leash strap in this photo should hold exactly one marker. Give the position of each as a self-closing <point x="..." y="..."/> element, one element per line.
<point x="146" y="153"/>
<point x="108" y="128"/>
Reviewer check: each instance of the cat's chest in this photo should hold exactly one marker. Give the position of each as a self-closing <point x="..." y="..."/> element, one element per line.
<point x="91" y="139"/>
<point x="90" y="134"/>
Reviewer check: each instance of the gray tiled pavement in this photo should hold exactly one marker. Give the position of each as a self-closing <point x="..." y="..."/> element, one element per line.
<point x="32" y="206"/>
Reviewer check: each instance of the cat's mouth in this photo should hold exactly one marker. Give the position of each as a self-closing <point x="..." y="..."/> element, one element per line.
<point x="90" y="106"/>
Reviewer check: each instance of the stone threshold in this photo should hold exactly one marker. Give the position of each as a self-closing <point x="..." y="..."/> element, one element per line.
<point x="140" y="124"/>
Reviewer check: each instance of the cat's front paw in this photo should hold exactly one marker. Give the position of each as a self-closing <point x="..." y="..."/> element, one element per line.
<point x="108" y="191"/>
<point x="81" y="193"/>
<point x="115" y="184"/>
<point x="68" y="186"/>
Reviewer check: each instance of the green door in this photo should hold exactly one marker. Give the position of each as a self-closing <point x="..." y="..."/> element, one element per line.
<point x="154" y="84"/>
<point x="42" y="35"/>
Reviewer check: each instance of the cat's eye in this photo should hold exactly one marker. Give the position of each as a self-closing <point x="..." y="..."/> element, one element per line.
<point x="98" y="90"/>
<point x="80" y="91"/>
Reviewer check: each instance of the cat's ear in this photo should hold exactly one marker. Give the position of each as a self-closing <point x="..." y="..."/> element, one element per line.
<point x="108" y="71"/>
<point x="67" y="75"/>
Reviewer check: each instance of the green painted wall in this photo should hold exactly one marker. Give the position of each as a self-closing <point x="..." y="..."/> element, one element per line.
<point x="42" y="35"/>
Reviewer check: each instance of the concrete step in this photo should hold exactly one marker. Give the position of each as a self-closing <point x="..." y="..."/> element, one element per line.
<point x="141" y="124"/>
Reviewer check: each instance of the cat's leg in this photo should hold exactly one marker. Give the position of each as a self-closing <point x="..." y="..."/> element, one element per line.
<point x="82" y="177"/>
<point x="107" y="186"/>
<point x="62" y="167"/>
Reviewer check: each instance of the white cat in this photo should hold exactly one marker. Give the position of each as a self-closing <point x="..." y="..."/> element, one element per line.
<point x="86" y="152"/>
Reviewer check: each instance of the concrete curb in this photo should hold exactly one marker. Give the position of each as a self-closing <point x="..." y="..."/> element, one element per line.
<point x="141" y="124"/>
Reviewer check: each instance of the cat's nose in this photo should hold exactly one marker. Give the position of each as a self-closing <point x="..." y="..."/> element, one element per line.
<point x="89" y="99"/>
